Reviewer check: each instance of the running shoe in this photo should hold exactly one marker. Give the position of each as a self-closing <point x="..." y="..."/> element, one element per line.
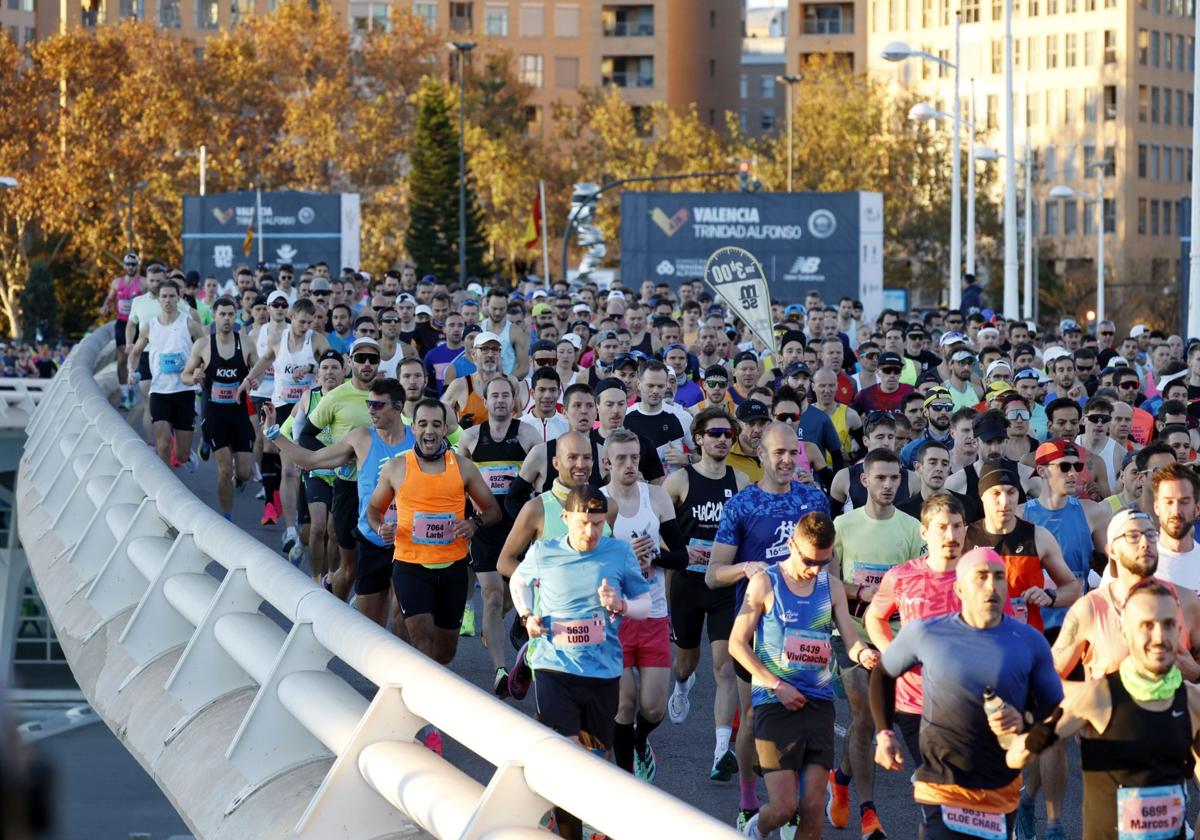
<point x="326" y="583"/>
<point x="261" y="494"/>
<point x="679" y="704"/>
<point x="724" y="767"/>
<point x="468" y="621"/>
<point x="500" y="683"/>
<point x="872" y="828"/>
<point x="520" y="677"/>
<point x="748" y="822"/>
<point x="644" y="765"/>
<point x="296" y="555"/>
<point x="205" y="450"/>
<point x="838" y="807"/>
<point x="289" y="539"/>
<point x="1054" y="832"/>
<point x="270" y="516"/>
<point x="1026" y="822"/>
<point x="193" y="462"/>
<point x="788" y="830"/>
<point x="433" y="741"/>
<point x="238" y="485"/>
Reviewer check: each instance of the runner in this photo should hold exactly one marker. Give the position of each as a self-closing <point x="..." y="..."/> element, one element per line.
<point x="753" y="416"/>
<point x="540" y="468"/>
<point x="121" y="295"/>
<point x="1138" y="724"/>
<point x="220" y="363"/>
<point x="612" y="404"/>
<point x="463" y="395"/>
<point x="782" y="636"/>
<point x="937" y="408"/>
<point x="665" y="426"/>
<point x="497" y="447"/>
<point x="167" y="340"/>
<point x="542" y="415"/>
<point x="754" y="532"/>
<point x="699" y="493"/>
<point x="1175" y="489"/>
<point x="990" y="432"/>
<point x="646" y="521"/>
<point x="848" y="491"/>
<point x="962" y="785"/>
<point x="262" y="390"/>
<point x="571" y="594"/>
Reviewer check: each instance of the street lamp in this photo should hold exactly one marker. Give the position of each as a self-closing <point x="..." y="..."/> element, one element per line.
<point x="1063" y="191"/>
<point x="791" y="80"/>
<point x="900" y="51"/>
<point x="987" y="154"/>
<point x="1010" y="172"/>
<point x="925" y="111"/>
<point x="462" y="48"/>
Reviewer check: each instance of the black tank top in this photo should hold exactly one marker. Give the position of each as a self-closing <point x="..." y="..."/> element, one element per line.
<point x="1139" y="748"/>
<point x="225" y="375"/>
<point x="700" y="513"/>
<point x="597" y="478"/>
<point x="973" y="479"/>
<point x="858" y="491"/>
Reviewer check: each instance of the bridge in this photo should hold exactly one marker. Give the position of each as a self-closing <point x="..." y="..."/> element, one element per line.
<point x="235" y="681"/>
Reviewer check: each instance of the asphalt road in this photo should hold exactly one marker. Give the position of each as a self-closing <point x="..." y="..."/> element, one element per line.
<point x="684" y="752"/>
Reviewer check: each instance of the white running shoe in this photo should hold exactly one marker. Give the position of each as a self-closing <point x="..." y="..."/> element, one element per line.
<point x="289" y="539"/>
<point x="679" y="704"/>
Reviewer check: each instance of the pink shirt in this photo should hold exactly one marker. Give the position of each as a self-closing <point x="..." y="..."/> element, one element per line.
<point x="127" y="290"/>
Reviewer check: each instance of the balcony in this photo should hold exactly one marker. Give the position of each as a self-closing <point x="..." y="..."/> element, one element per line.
<point x="627" y="21"/>
<point x="628" y="79"/>
<point x="462" y="18"/>
<point x="828" y="26"/>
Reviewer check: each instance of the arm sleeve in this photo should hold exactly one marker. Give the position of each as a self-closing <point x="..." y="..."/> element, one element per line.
<point x="518" y="494"/>
<point x="676" y="555"/>
<point x="322" y="415"/>
<point x="522" y="594"/>
<point x="883" y="699"/>
<point x="308" y="437"/>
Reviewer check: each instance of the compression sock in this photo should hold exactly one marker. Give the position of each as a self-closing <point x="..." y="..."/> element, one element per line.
<point x="271" y="469"/>
<point x="865" y="806"/>
<point x="644" y="728"/>
<point x="623" y="739"/>
<point x="840" y="777"/>
<point x="748" y="794"/>
<point x="724" y="734"/>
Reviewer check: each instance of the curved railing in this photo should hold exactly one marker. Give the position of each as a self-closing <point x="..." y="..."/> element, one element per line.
<point x="161" y="608"/>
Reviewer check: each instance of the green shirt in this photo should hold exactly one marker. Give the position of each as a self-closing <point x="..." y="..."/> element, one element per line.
<point x="868" y="547"/>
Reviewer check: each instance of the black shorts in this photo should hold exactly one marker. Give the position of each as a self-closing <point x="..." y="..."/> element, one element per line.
<point x="283" y="412"/>
<point x="373" y="572"/>
<point x="227" y="426"/>
<point x="345" y="513"/>
<point x="787" y="740"/>
<point x="178" y="409"/>
<point x="936" y="829"/>
<point x="257" y="403"/>
<point x="693" y="604"/>
<point x="582" y="707"/>
<point x="1077" y="673"/>
<point x="119" y="332"/>
<point x="144" y="367"/>
<point x="441" y="593"/>
<point x="317" y="491"/>
<point x="908" y="724"/>
<point x="485" y="548"/>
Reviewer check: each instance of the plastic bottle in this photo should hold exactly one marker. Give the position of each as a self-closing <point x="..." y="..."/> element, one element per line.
<point x="992" y="703"/>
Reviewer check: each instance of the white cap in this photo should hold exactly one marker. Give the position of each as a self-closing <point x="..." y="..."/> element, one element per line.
<point x="423" y="309"/>
<point x="990" y="331"/>
<point x="1121" y="519"/>
<point x="277" y="295"/>
<point x="581" y="308"/>
<point x="405" y="297"/>
<point x="475" y="289"/>
<point x="365" y="343"/>
<point x="996" y="365"/>
<point x="572" y="339"/>
<point x="539" y="293"/>
<point x="1138" y="330"/>
<point x="617" y="293"/>
<point x="486" y="337"/>
<point x="1055" y="353"/>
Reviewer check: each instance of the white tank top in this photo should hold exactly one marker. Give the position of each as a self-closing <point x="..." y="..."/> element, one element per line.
<point x="644" y="523"/>
<point x="389" y="367"/>
<point x="1105" y="455"/>
<point x="266" y="387"/>
<point x="288" y="387"/>
<point x="169" y="347"/>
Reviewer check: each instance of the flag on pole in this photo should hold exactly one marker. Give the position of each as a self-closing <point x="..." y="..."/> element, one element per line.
<point x="249" y="241"/>
<point x="737" y="278"/>
<point x="533" y="228"/>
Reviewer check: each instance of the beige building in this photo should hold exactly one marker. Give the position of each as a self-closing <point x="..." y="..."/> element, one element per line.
<point x="17" y="20"/>
<point x="1094" y="80"/>
<point x="677" y="51"/>
<point x="192" y="19"/>
<point x="763" y="100"/>
<point x="836" y="28"/>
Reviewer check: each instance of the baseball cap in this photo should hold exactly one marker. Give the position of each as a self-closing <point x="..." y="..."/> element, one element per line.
<point x="752" y="410"/>
<point x="1053" y="354"/>
<point x="961" y="356"/>
<point x="1067" y="325"/>
<point x="1138" y="330"/>
<point x="131" y="259"/>
<point x="996" y="389"/>
<point x="990" y="332"/>
<point x="486" y="337"/>
<point x="541" y="308"/>
<point x="996" y="365"/>
<point x="716" y="372"/>
<point x="610" y="335"/>
<point x="365" y="343"/>
<point x="624" y="359"/>
<point x="990" y="429"/>
<point x="796" y="369"/>
<point x="1023" y="350"/>
<point x="936" y="395"/>
<point x="405" y="297"/>
<point x="916" y="330"/>
<point x="745" y="356"/>
<point x="572" y="339"/>
<point x="276" y="295"/>
<point x="428" y="280"/>
<point x="581" y="308"/>
<point x="930" y="375"/>
<point x="1052" y="450"/>
<point x="890" y="360"/>
<point x="1026" y="373"/>
<point x="585" y="499"/>
<point x="332" y="354"/>
<point x="424" y="309"/>
<point x="319" y="284"/>
<point x="615" y="293"/>
<point x="952" y="337"/>
<point x="541" y="345"/>
<point x="1121" y="520"/>
<point x="795" y="309"/>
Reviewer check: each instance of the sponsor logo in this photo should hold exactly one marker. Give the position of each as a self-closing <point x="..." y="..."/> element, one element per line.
<point x="223" y="256"/>
<point x="748" y="296"/>
<point x="822" y="224"/>
<point x="223" y="216"/>
<point x="805" y="268"/>
<point x="669" y="224"/>
<point x="306" y="215"/>
<point x="665" y="268"/>
<point x="286" y="252"/>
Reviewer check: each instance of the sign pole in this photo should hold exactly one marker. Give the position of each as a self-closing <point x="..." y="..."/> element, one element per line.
<point x="258" y="216"/>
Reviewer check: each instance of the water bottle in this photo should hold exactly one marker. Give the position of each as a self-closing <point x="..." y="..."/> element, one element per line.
<point x="992" y="703"/>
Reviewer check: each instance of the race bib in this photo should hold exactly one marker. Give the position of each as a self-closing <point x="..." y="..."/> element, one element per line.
<point x="1150" y="813"/>
<point x="869" y="574"/>
<point x="498" y="477"/>
<point x="124" y="307"/>
<point x="805" y="650"/>
<point x="439" y="370"/>
<point x="224" y="393"/>
<point x="974" y="823"/>
<point x="171" y="362"/>
<point x="433" y="528"/>
<point x="670" y="446"/>
<point x="577" y="633"/>
<point x="293" y="393"/>
<point x="1019" y="610"/>
<point x="699" y="553"/>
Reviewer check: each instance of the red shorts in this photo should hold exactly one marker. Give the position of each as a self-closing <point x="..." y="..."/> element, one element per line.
<point x="646" y="643"/>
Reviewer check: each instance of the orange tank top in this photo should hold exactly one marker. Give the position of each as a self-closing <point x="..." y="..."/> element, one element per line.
<point x="475" y="406"/>
<point x="1106" y="646"/>
<point x="426" y="509"/>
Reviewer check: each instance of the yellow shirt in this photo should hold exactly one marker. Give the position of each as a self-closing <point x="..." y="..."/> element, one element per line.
<point x="746" y="463"/>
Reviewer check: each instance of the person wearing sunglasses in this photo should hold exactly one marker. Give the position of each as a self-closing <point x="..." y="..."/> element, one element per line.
<point x="937" y="409"/>
<point x="716" y="390"/>
<point x="810" y="462"/>
<point x="846" y="422"/>
<point x="1128" y="388"/>
<point x="887" y="394"/>
<point x="1016" y="411"/>
<point x="1097" y="419"/>
<point x="463" y="395"/>
<point x="783" y="638"/>
<point x="868" y="366"/>
<point x="121" y="294"/>
<point x="990" y="432"/>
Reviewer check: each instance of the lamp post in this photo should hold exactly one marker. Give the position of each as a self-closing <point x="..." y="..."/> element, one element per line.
<point x="900" y="51"/>
<point x="462" y="48"/>
<point x="987" y="154"/>
<point x="791" y="80"/>
<point x="971" y="181"/>
<point x="1010" y="173"/>
<point x="925" y="111"/>
<point x="1063" y="191"/>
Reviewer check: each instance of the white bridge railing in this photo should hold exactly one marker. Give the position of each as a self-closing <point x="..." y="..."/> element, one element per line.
<point x="239" y="720"/>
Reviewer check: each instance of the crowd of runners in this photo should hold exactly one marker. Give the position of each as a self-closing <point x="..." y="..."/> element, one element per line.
<point x="977" y="530"/>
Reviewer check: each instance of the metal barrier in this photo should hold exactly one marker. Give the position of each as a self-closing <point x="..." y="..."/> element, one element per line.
<point x="241" y="721"/>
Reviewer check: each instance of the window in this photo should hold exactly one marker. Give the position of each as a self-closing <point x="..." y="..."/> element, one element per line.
<point x="1143" y="156"/>
<point x="533" y="120"/>
<point x="1167" y="174"/>
<point x="1110" y="102"/>
<point x="926" y="14"/>
<point x="766" y="119"/>
<point x="1070" y="49"/>
<point x="1110" y="161"/>
<point x="1155" y="49"/>
<point x="993" y="112"/>
<point x="380" y="19"/>
<point x="997" y="9"/>
<point x="1154" y="158"/>
<point x="827" y="19"/>
<point x="1050" y="163"/>
<point x="1143" y="46"/>
<point x="1110" y="210"/>
<point x="1141" y="215"/>
<point x="944" y="9"/>
<point x="766" y="85"/>
<point x="1052" y="103"/>
<point x="1153" y="217"/>
<point x="427" y="12"/>
<point x="529" y="69"/>
<point x="1089" y="105"/>
<point x="627" y="71"/>
<point x="1071" y="6"/>
<point x="129" y="9"/>
<point x="1051" y="52"/>
<point x="1179" y="167"/>
<point x="1166" y="218"/>
<point x="1154" y="109"/>
<point x="1035" y="214"/>
<point x="1051" y="228"/>
<point x="1089" y="49"/>
<point x="533" y="20"/>
<point x="1031" y="52"/>
<point x="1191" y="100"/>
<point x="1033" y="106"/>
<point x="14" y="4"/>
<point x="743" y="121"/>
<point x="1089" y="219"/>
<point x="1071" y="106"/>
<point x="1051" y="7"/>
<point x="1110" y="44"/>
<point x="1089" y="158"/>
<point x="168" y="14"/>
<point x="1168" y="51"/>
<point x="462" y="18"/>
<point x="1143" y="103"/>
<point x="1068" y="163"/>
<point x="970" y="11"/>
<point x="495" y="21"/>
<point x="1016" y="53"/>
<point x="997" y="56"/>
<point x="566" y="21"/>
<point x="1179" y="107"/>
<point x="943" y="70"/>
<point x="1070" y="217"/>
<point x="566" y="72"/>
<point x="744" y="86"/>
<point x="1166" y="106"/>
<point x="627" y="21"/>
<point x="208" y="14"/>
<point x="1033" y="8"/>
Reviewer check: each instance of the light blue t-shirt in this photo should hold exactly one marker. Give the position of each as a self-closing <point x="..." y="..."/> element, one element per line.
<point x="583" y="636"/>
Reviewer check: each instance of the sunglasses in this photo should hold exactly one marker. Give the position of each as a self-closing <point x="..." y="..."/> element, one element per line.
<point x="1128" y="386"/>
<point x="380" y="405"/>
<point x="717" y="383"/>
<point x="365" y="358"/>
<point x="787" y="416"/>
<point x="546" y="361"/>
<point x="1084" y="368"/>
<point x="380" y="308"/>
<point x="1018" y="414"/>
<point x="890" y="370"/>
<point x="719" y="433"/>
<point x="1066" y="468"/>
<point x="280" y="305"/>
<point x="389" y="320"/>
<point x="320" y="294"/>
<point x="941" y="406"/>
<point x="1099" y="419"/>
<point x="954" y="323"/>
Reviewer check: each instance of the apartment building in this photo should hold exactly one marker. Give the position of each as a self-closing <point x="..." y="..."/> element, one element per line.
<point x="676" y="51"/>
<point x="834" y="27"/>
<point x="1095" y="80"/>
<point x="763" y="99"/>
<point x="191" y="19"/>
<point x="17" y="21"/>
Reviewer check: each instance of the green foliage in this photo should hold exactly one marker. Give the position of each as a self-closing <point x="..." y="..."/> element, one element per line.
<point x="39" y="305"/>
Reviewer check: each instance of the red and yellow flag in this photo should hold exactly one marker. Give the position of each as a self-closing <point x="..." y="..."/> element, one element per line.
<point x="249" y="241"/>
<point x="533" y="229"/>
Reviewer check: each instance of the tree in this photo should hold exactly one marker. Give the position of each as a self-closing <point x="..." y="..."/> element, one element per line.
<point x="432" y="234"/>
<point x="39" y="306"/>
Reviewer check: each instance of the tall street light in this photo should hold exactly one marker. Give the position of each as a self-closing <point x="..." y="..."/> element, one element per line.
<point x="1063" y="191"/>
<point x="1010" y="173"/>
<point x="986" y="154"/>
<point x="900" y="51"/>
<point x="924" y="111"/>
<point x="791" y="80"/>
<point x="462" y="48"/>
